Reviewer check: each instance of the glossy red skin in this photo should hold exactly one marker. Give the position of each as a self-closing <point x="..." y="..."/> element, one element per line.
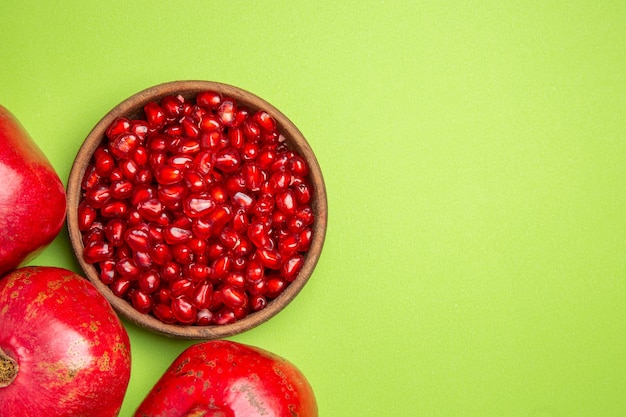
<point x="32" y="196"/>
<point x="71" y="348"/>
<point x="228" y="379"/>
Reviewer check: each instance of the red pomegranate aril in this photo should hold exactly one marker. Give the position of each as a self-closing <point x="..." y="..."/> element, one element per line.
<point x="181" y="286"/>
<point x="251" y="130"/>
<point x="213" y="140"/>
<point x="172" y="106"/>
<point x="156" y="159"/>
<point x="171" y="271"/>
<point x="233" y="297"/>
<point x="141" y="301"/>
<point x="229" y="238"/>
<point x="270" y="258"/>
<point x="97" y="251"/>
<point x="240" y="221"/>
<point x="182" y="254"/>
<point x="258" y="302"/>
<point x="166" y="174"/>
<point x="264" y="206"/>
<point x="183" y="310"/>
<point x="121" y="189"/>
<point x="114" y="231"/>
<point x="224" y="316"/>
<point x="120" y="287"/>
<point x="107" y="272"/>
<point x="190" y="128"/>
<point x="116" y="174"/>
<point x="203" y="162"/>
<point x="254" y="176"/>
<point x="210" y="122"/>
<point x="123" y="145"/>
<point x="305" y="213"/>
<point x="172" y="195"/>
<point x="204" y="317"/>
<point x="292" y="267"/>
<point x="91" y="178"/>
<point x="198" y="272"/>
<point x="302" y="193"/>
<point x="259" y="235"/>
<point x="202" y="296"/>
<point x="149" y="281"/>
<point x="221" y="266"/>
<point x="197" y="245"/>
<point x="305" y="237"/>
<point x="141" y="156"/>
<point x="198" y="205"/>
<point x="161" y="254"/>
<point x="286" y="202"/>
<point x="154" y="115"/>
<point x="173" y="234"/>
<point x="227" y="112"/>
<point x="122" y="251"/>
<point x="288" y="244"/>
<point x="236" y="138"/>
<point x="129" y="169"/>
<point x="295" y="225"/>
<point x="227" y="160"/>
<point x="164" y="313"/>
<point x="143" y="260"/>
<point x="188" y="146"/>
<point x="243" y="248"/>
<point x="104" y="162"/>
<point x="163" y="295"/>
<point x="142" y="193"/>
<point x="249" y="151"/>
<point x="127" y="268"/>
<point x="243" y="200"/>
<point x="264" y="120"/>
<point x="98" y="196"/>
<point x="139" y="128"/>
<point x="195" y="182"/>
<point x="241" y="116"/>
<point x="150" y="209"/>
<point x="115" y="208"/>
<point x="275" y="286"/>
<point x="235" y="278"/>
<point x="215" y="250"/>
<point x="210" y="100"/>
<point x="86" y="215"/>
<point x="117" y="127"/>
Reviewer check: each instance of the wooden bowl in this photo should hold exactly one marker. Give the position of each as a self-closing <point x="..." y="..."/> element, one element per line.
<point x="133" y="108"/>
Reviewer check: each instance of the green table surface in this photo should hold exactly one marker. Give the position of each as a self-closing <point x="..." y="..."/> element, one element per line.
<point x="475" y="160"/>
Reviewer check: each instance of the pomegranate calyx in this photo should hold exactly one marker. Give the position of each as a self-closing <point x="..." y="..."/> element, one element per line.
<point x="8" y="369"/>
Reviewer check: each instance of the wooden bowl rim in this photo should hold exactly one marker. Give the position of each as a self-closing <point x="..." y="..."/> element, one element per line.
<point x="133" y="107"/>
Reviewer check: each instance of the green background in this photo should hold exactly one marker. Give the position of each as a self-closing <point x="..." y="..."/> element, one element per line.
<point x="475" y="160"/>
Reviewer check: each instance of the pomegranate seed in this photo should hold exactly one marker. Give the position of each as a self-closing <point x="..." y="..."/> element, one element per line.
<point x="233" y="297"/>
<point x="292" y="267"/>
<point x="123" y="145"/>
<point x="104" y="162"/>
<point x="117" y="127"/>
<point x="275" y="286"/>
<point x="97" y="251"/>
<point x="167" y="174"/>
<point x="172" y="106"/>
<point x="139" y="128"/>
<point x="174" y="234"/>
<point x="161" y="254"/>
<point x="198" y="205"/>
<point x="227" y="112"/>
<point x="86" y="215"/>
<point x="227" y="160"/>
<point x="202" y="296"/>
<point x="115" y="208"/>
<point x="154" y="115"/>
<point x="107" y="271"/>
<point x="258" y="302"/>
<point x="224" y="316"/>
<point x="142" y="302"/>
<point x="270" y="258"/>
<point x="120" y="287"/>
<point x="210" y="100"/>
<point x="149" y="282"/>
<point x="164" y="313"/>
<point x="264" y="120"/>
<point x="183" y="310"/>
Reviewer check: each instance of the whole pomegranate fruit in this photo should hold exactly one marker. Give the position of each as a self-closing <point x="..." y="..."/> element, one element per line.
<point x="63" y="351"/>
<point x="228" y="379"/>
<point x="32" y="196"/>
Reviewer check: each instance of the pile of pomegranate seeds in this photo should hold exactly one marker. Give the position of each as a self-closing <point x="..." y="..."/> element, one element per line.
<point x="198" y="213"/>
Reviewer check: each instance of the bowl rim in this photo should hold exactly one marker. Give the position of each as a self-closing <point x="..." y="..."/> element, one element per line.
<point x="133" y="106"/>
